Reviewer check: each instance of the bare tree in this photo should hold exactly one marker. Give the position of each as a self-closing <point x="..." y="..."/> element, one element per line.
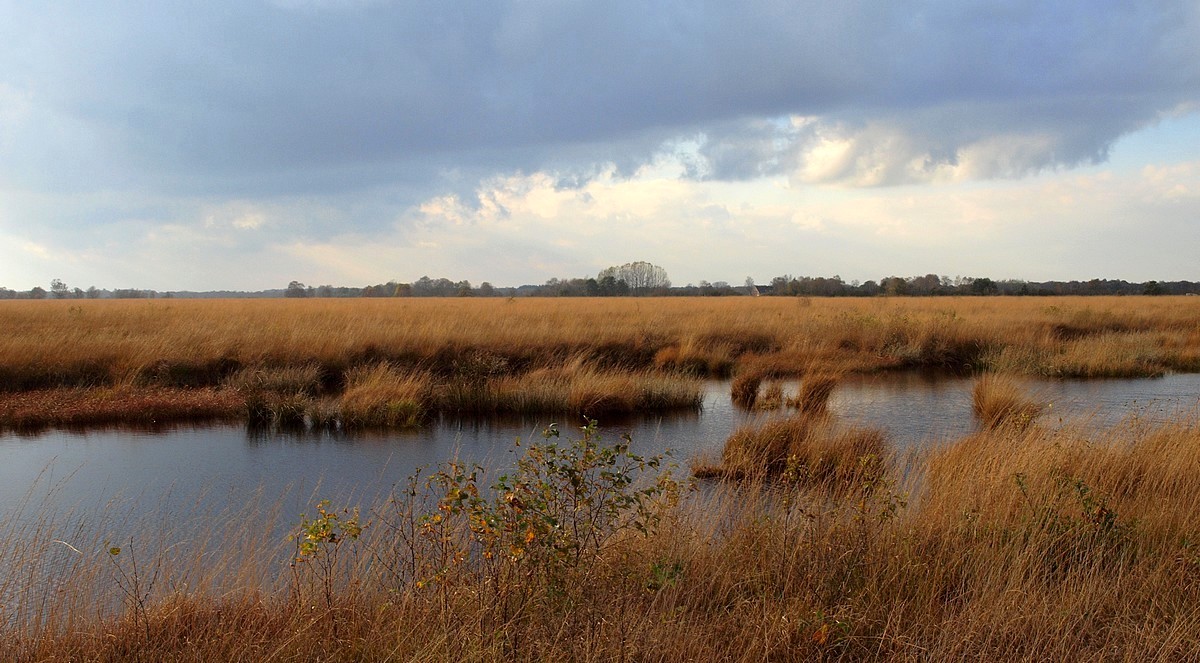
<point x="641" y="277"/>
<point x="59" y="290"/>
<point x="295" y="289"/>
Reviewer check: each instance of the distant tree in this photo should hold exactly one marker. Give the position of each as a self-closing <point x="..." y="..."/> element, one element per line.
<point x="132" y="293"/>
<point x="295" y="289"/>
<point x="640" y="277"/>
<point x="423" y="287"/>
<point x="92" y="292"/>
<point x="486" y="289"/>
<point x="893" y="286"/>
<point x="983" y="286"/>
<point x="1152" y="288"/>
<point x="59" y="290"/>
<point x="929" y="284"/>
<point x="833" y="286"/>
<point x="37" y="292"/>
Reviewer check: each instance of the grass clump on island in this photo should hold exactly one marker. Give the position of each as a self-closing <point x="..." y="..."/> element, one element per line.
<point x="999" y="401"/>
<point x="804" y="449"/>
<point x="1016" y="543"/>
<point x="297" y="352"/>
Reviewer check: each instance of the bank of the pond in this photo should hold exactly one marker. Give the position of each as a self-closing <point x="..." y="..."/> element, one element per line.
<point x="374" y="396"/>
<point x="1031" y="543"/>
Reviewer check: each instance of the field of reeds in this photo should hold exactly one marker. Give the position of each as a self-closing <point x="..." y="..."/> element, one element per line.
<point x="393" y="362"/>
<point x="1019" y="542"/>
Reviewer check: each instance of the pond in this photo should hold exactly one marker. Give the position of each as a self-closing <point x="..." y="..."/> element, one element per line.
<point x="181" y="470"/>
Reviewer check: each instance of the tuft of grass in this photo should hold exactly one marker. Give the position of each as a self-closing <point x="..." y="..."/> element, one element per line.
<point x="279" y="397"/>
<point x="744" y="389"/>
<point x="694" y="357"/>
<point x="814" y="393"/>
<point x="770" y="398"/>
<point x="999" y="401"/>
<point x="809" y="448"/>
<point x="381" y="395"/>
<point x="304" y="379"/>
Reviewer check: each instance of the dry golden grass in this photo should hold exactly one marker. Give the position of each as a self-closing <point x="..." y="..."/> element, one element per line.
<point x="814" y="393"/>
<point x="52" y="341"/>
<point x="743" y="390"/>
<point x="808" y="448"/>
<point x="999" y="401"/>
<point x="579" y="390"/>
<point x="56" y="343"/>
<point x="1019" y="545"/>
<point x="1019" y="542"/>
<point x="149" y="406"/>
<point x="382" y="396"/>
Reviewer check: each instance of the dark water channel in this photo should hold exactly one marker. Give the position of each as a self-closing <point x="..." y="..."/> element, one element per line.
<point x="181" y="470"/>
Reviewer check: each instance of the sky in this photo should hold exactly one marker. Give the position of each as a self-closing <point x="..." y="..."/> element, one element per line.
<point x="243" y="144"/>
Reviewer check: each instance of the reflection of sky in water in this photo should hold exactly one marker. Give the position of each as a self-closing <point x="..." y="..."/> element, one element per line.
<point x="917" y="409"/>
<point x="222" y="467"/>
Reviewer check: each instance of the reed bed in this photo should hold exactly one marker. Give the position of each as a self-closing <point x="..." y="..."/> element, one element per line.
<point x="1028" y="544"/>
<point x="80" y="343"/>
<point x="274" y="351"/>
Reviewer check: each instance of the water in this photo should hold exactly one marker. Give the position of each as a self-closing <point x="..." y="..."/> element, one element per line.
<point x="922" y="409"/>
<point x="184" y="469"/>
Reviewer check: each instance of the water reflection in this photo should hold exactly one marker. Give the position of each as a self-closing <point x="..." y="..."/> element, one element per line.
<point x="167" y="470"/>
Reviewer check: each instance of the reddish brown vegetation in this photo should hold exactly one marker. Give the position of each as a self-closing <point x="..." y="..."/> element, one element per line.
<point x="141" y="406"/>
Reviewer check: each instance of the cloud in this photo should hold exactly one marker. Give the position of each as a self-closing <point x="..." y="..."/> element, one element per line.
<point x="525" y="228"/>
<point x="929" y="145"/>
<point x="1054" y="226"/>
<point x="516" y="139"/>
<point x="294" y="95"/>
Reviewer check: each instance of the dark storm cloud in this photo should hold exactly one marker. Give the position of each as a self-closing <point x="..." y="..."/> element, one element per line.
<point x="239" y="97"/>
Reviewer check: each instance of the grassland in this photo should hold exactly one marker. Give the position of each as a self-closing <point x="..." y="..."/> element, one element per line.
<point x="1015" y="543"/>
<point x="310" y="360"/>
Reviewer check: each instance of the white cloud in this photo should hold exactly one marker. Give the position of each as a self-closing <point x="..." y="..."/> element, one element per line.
<point x="35" y="250"/>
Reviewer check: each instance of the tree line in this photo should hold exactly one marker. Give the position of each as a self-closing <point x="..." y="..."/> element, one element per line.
<point x="643" y="279"/>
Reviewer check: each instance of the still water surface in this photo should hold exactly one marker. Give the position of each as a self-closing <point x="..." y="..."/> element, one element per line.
<point x="183" y="469"/>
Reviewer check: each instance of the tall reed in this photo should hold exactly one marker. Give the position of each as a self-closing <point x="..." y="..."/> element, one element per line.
<point x="999" y="401"/>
